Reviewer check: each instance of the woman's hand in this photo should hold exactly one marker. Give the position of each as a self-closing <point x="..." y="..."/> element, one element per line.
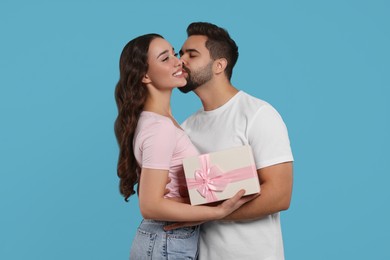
<point x="225" y="208"/>
<point x="230" y="205"/>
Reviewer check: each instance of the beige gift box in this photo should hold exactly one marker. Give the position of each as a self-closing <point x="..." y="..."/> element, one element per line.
<point x="220" y="175"/>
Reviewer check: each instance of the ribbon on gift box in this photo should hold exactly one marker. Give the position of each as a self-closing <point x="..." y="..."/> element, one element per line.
<point x="210" y="178"/>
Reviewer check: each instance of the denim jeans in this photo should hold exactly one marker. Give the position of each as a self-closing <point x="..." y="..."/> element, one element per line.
<point x="152" y="242"/>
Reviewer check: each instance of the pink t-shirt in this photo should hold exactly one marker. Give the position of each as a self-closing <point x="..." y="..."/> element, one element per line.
<point x="159" y="144"/>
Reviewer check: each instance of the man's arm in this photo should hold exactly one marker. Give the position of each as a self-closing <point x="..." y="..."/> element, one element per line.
<point x="276" y="183"/>
<point x="276" y="188"/>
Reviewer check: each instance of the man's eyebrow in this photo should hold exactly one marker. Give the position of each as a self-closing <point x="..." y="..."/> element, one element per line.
<point x="188" y="50"/>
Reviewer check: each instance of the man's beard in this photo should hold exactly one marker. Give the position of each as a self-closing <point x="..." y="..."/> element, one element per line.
<point x="197" y="78"/>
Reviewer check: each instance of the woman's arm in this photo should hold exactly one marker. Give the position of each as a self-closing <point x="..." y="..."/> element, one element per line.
<point x="153" y="205"/>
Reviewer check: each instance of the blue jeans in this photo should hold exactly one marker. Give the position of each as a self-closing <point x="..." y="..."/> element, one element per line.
<point x="152" y="242"/>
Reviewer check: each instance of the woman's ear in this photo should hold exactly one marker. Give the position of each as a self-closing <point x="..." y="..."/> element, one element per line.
<point x="146" y="79"/>
<point x="220" y="65"/>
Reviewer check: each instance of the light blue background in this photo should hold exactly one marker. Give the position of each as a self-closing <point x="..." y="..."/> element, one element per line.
<point x="323" y="64"/>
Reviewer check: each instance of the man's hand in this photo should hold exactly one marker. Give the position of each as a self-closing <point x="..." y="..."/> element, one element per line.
<point x="183" y="193"/>
<point x="166" y="189"/>
<point x="182" y="224"/>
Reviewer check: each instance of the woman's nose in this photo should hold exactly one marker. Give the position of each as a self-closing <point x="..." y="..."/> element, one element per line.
<point x="182" y="60"/>
<point x="178" y="61"/>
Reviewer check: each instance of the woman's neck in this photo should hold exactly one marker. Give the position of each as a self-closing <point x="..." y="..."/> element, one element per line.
<point x="159" y="103"/>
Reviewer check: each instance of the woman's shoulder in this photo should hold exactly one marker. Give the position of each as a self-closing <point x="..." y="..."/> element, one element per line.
<point x="153" y="121"/>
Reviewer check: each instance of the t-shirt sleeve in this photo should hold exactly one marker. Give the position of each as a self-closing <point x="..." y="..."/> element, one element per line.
<point x="158" y="145"/>
<point x="268" y="137"/>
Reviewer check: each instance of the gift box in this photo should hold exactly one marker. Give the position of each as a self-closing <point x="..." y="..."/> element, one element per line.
<point x="220" y="175"/>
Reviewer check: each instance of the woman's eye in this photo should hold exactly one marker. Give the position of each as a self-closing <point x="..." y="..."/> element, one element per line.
<point x="168" y="56"/>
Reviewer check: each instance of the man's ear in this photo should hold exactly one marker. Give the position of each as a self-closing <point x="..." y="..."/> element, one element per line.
<point x="146" y="79"/>
<point x="220" y="65"/>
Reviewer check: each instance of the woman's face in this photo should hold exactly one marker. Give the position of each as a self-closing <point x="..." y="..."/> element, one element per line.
<point x="165" y="69"/>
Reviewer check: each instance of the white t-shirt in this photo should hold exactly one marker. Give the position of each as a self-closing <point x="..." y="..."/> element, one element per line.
<point x="242" y="120"/>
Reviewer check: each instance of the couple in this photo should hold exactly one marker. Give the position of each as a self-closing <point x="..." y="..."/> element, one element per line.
<point x="152" y="145"/>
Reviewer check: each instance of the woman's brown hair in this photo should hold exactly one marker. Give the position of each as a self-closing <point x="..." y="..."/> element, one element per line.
<point x="130" y="96"/>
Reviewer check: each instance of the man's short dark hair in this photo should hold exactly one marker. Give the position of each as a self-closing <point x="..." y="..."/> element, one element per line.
<point x="219" y="43"/>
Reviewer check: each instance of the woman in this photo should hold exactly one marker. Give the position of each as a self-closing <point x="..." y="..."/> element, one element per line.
<point x="152" y="146"/>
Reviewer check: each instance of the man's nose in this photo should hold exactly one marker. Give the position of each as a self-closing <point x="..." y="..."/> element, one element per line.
<point x="183" y="60"/>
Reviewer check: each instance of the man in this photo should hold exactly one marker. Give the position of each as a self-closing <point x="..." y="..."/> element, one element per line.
<point x="231" y="118"/>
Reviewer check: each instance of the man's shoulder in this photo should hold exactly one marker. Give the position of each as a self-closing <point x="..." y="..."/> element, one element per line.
<point x="248" y="104"/>
<point x="191" y="118"/>
<point x="245" y="98"/>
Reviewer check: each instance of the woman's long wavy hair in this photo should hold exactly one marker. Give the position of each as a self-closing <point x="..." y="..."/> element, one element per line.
<point x="130" y="96"/>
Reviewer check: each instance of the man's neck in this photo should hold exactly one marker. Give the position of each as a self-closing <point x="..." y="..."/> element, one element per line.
<point x="215" y="94"/>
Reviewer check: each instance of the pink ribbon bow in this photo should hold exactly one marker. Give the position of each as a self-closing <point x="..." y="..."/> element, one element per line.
<point x="210" y="179"/>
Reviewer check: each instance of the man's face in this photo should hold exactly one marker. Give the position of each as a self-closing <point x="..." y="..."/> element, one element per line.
<point x="197" y="62"/>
